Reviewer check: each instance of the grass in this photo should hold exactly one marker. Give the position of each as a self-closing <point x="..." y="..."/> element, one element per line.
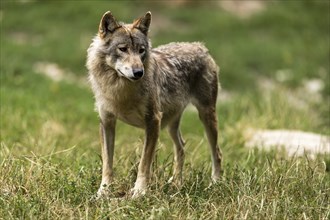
<point x="50" y="154"/>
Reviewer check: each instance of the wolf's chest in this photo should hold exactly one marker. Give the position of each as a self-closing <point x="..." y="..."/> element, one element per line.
<point x="129" y="109"/>
<point x="127" y="103"/>
<point x="132" y="114"/>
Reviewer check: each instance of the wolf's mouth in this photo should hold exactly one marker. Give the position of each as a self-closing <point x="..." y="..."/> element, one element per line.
<point x="129" y="78"/>
<point x="120" y="72"/>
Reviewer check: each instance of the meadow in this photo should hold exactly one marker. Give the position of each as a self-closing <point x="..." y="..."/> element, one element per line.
<point x="50" y="165"/>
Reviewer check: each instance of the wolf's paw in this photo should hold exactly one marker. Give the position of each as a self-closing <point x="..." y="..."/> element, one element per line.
<point x="103" y="191"/>
<point x="215" y="178"/>
<point x="176" y="181"/>
<point x="140" y="187"/>
<point x="136" y="193"/>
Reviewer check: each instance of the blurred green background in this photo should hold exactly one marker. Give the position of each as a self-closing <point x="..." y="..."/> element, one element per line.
<point x="261" y="47"/>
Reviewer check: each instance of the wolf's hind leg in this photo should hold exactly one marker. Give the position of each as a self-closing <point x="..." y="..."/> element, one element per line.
<point x="208" y="116"/>
<point x="179" y="156"/>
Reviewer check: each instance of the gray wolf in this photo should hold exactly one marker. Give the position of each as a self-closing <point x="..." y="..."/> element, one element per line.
<point x="149" y="88"/>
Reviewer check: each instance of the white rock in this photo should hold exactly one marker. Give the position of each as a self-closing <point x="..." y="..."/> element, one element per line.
<point x="296" y="143"/>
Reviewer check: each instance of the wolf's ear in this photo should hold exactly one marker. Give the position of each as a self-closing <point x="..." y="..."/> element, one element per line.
<point x="143" y="23"/>
<point x="107" y="25"/>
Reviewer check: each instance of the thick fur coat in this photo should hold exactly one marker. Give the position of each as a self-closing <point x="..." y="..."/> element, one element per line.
<point x="149" y="88"/>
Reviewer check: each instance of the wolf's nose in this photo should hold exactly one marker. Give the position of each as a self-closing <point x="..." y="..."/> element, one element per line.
<point x="138" y="73"/>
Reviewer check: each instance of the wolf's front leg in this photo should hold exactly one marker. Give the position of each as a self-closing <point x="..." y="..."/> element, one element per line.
<point x="152" y="132"/>
<point x="107" y="135"/>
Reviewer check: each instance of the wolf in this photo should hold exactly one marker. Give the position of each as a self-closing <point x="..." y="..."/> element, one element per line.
<point x="149" y="88"/>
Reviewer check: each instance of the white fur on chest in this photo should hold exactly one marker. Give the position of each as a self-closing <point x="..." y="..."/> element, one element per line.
<point x="127" y="104"/>
<point x="130" y="110"/>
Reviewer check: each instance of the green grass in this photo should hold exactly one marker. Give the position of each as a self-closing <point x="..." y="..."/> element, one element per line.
<point x="50" y="166"/>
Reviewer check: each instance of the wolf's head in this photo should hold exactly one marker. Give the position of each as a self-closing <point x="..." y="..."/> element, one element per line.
<point x="125" y="46"/>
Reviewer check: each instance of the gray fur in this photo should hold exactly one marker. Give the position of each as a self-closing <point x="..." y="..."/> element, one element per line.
<point x="174" y="75"/>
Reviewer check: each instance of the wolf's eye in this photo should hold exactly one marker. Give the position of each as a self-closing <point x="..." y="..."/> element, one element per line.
<point x="123" y="49"/>
<point x="142" y="50"/>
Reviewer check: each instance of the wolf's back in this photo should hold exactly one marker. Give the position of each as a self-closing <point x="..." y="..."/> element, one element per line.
<point x="185" y="57"/>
